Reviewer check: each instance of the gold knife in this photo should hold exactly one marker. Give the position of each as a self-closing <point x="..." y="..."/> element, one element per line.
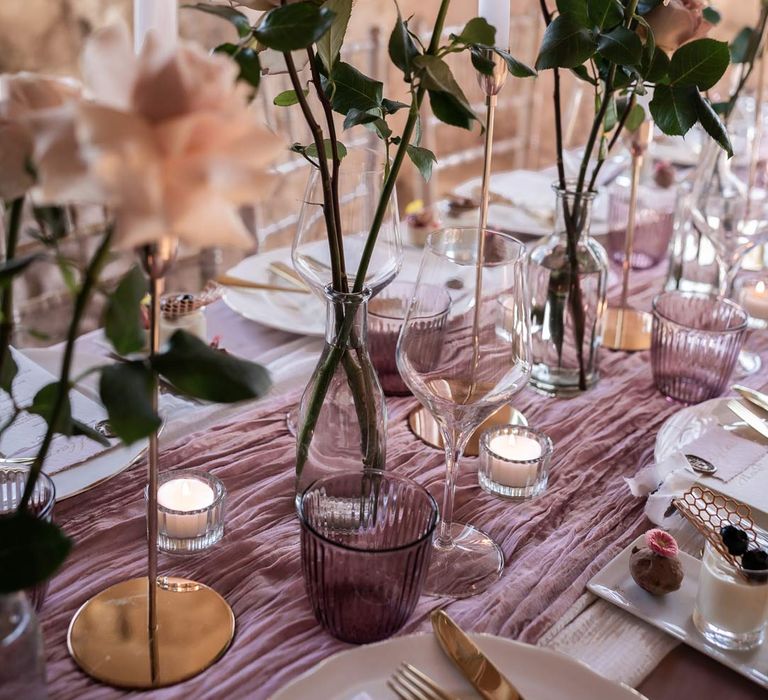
<point x="751" y="419"/>
<point x="756" y="397"/>
<point x="467" y="657"/>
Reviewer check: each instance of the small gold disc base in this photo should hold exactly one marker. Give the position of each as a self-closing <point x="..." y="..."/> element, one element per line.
<point x="425" y="427"/>
<point x="627" y="329"/>
<point x="109" y="640"/>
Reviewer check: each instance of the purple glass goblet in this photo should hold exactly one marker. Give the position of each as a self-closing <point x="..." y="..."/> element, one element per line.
<point x="365" y="550"/>
<point x="695" y="344"/>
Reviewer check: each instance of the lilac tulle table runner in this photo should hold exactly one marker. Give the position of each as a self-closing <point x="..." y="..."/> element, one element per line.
<point x="553" y="544"/>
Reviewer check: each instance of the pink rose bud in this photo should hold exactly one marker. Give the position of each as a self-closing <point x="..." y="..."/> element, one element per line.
<point x="662" y="543"/>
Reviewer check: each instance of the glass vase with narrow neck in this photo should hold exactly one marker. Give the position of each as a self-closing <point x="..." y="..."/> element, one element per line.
<point x="342" y="415"/>
<point x="568" y="274"/>
<point x="22" y="658"/>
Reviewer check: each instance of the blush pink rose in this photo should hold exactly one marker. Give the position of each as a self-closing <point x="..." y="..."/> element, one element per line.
<point x="676" y="22"/>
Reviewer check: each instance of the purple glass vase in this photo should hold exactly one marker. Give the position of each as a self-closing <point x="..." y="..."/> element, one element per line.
<point x="365" y="549"/>
<point x="696" y="342"/>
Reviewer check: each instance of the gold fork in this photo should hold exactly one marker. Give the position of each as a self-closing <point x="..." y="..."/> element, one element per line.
<point x="409" y="683"/>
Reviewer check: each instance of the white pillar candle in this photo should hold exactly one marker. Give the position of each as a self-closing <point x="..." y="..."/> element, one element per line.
<point x="186" y="496"/>
<point x="496" y="13"/>
<point x="520" y="470"/>
<point x="162" y="16"/>
<point x="754" y="299"/>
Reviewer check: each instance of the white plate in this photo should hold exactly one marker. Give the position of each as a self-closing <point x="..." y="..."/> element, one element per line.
<point x="112" y="462"/>
<point x="672" y="612"/>
<point x="538" y="673"/>
<point x="688" y="424"/>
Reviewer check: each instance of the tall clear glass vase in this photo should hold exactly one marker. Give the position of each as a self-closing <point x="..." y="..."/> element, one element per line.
<point x="568" y="274"/>
<point x="343" y="430"/>
<point x="22" y="661"/>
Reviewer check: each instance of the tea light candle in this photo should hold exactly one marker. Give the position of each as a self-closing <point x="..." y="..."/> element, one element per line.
<point x="754" y="299"/>
<point x="497" y="14"/>
<point x="187" y="501"/>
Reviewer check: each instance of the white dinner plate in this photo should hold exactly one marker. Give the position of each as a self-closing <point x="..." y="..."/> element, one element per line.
<point x="671" y="613"/>
<point x="538" y="673"/>
<point x="113" y="461"/>
<point x="688" y="424"/>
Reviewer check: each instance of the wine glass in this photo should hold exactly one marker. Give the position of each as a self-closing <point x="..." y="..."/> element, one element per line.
<point x="484" y="361"/>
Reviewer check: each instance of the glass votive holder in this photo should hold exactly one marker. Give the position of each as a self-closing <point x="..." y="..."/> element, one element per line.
<point x="514" y="461"/>
<point x="13" y="479"/>
<point x="752" y="293"/>
<point x="731" y="608"/>
<point x="366" y="545"/>
<point x="190" y="511"/>
<point x="695" y="342"/>
<point x="386" y="313"/>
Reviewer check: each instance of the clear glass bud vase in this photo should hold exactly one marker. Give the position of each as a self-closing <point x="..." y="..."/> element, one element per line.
<point x="22" y="660"/>
<point x="568" y="274"/>
<point x="342" y="415"/>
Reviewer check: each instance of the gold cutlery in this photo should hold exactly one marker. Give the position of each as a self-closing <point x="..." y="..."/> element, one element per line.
<point x="751" y="419"/>
<point x="477" y="668"/>
<point x="758" y="398"/>
<point x="229" y="281"/>
<point x="409" y="683"/>
<point x="287" y="273"/>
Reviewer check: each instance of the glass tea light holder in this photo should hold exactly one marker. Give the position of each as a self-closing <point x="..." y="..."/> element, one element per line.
<point x="190" y="507"/>
<point x="514" y="461"/>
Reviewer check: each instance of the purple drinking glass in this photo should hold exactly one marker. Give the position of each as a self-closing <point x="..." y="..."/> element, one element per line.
<point x="696" y="342"/>
<point x="13" y="479"/>
<point x="366" y="541"/>
<point x="386" y="313"/>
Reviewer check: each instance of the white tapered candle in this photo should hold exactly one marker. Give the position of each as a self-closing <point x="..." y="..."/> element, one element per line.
<point x="162" y="16"/>
<point x="496" y="13"/>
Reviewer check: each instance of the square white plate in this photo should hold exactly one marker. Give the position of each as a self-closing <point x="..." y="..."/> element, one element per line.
<point x="672" y="612"/>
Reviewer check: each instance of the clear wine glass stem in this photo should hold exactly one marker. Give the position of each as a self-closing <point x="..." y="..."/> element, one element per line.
<point x="455" y="442"/>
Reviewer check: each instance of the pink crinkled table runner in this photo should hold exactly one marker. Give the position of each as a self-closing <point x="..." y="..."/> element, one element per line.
<point x="553" y="545"/>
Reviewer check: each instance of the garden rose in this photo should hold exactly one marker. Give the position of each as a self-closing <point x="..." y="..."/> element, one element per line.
<point x="676" y="22"/>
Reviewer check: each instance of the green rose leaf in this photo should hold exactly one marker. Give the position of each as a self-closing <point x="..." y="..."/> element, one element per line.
<point x="353" y="89"/>
<point x="480" y="61"/>
<point x="122" y="319"/>
<point x="436" y="76"/>
<point x="42" y="405"/>
<point x="450" y="110"/>
<point x="230" y="14"/>
<point x="674" y="109"/>
<point x="477" y="31"/>
<point x="380" y="128"/>
<point x="712" y="125"/>
<point x="31" y="550"/>
<point x="739" y="48"/>
<point x="645" y="6"/>
<point x="287" y="98"/>
<point x="711" y="15"/>
<point x="636" y="118"/>
<point x="566" y="44"/>
<point x="423" y="159"/>
<point x="576" y="9"/>
<point x="657" y="67"/>
<point x="621" y="46"/>
<point x="293" y="27"/>
<point x="329" y="45"/>
<point x="611" y="115"/>
<point x="15" y="266"/>
<point x="582" y="73"/>
<point x="392" y="106"/>
<point x="341" y="149"/>
<point x="700" y="63"/>
<point x="126" y="392"/>
<point x="9" y="371"/>
<point x="247" y="60"/>
<point x="515" y="67"/>
<point x="402" y="47"/>
<point x="200" y="371"/>
<point x="355" y="117"/>
<point x="605" y="13"/>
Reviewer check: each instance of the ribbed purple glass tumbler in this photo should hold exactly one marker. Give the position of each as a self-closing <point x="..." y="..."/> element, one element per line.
<point x="365" y="549"/>
<point x="696" y="342"/>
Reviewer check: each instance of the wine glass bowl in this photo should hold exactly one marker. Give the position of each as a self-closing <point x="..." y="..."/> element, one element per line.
<point x="482" y="363"/>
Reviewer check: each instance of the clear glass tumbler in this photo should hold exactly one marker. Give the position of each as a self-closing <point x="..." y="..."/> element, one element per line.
<point x="13" y="479"/>
<point x="731" y="606"/>
<point x="386" y="314"/>
<point x="365" y="551"/>
<point x="695" y="344"/>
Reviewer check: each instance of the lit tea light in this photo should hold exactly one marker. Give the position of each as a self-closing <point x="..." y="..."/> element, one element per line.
<point x="514" y="461"/>
<point x="754" y="299"/>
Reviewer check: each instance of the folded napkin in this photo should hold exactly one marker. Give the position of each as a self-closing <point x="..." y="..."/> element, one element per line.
<point x="661" y="482"/>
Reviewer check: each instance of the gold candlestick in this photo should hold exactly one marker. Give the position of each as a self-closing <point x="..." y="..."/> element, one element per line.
<point x="420" y="419"/>
<point x="152" y="631"/>
<point x="626" y="328"/>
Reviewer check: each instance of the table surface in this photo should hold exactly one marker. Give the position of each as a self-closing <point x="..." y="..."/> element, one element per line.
<point x="553" y="545"/>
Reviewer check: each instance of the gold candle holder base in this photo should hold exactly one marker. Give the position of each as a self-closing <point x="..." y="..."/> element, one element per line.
<point x="627" y="329"/>
<point x="425" y="427"/>
<point x="109" y="639"/>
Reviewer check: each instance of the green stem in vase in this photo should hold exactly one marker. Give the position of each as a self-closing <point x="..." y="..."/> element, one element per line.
<point x="6" y="303"/>
<point x="89" y="283"/>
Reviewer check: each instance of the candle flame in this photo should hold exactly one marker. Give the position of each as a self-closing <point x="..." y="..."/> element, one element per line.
<point x="186" y="489"/>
